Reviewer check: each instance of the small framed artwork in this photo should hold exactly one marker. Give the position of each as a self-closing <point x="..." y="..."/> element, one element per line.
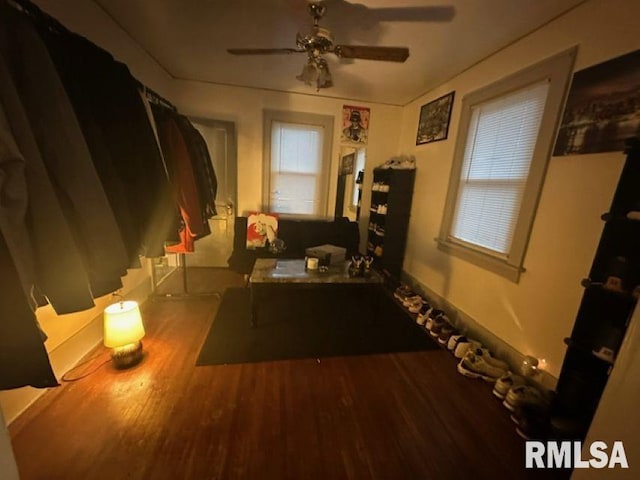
<point x="433" y="124"/>
<point x="346" y="164"/>
<point x="355" y="124"/>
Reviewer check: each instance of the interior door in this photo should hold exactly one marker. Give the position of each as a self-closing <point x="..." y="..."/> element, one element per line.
<point x="214" y="250"/>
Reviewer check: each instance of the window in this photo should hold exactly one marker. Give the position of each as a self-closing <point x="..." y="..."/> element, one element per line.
<point x="504" y="143"/>
<point x="297" y="162"/>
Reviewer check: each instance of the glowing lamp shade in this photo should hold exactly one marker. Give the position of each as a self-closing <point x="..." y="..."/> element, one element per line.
<point x="123" y="330"/>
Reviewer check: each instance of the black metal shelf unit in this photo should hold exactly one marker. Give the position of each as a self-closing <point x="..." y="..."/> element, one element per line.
<point x="389" y="214"/>
<point x="610" y="296"/>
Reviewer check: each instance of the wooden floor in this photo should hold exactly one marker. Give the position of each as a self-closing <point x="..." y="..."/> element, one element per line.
<point x="397" y="416"/>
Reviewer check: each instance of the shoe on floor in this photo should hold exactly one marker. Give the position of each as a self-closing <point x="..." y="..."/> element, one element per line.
<point x="433" y="315"/>
<point x="402" y="292"/>
<point x="463" y="346"/>
<point x="445" y="334"/>
<point x="506" y="383"/>
<point x="408" y="301"/>
<point x="423" y="313"/>
<point x="524" y="396"/>
<point x="475" y="366"/>
<point x="533" y="422"/>
<point x="454" y="340"/>
<point x="438" y="324"/>
<point x="417" y="306"/>
<point x="491" y="360"/>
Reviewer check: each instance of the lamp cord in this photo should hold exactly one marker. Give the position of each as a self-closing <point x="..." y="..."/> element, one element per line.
<point x="75" y="379"/>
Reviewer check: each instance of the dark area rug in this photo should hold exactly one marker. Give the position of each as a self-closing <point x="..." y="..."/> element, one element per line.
<point x="309" y="324"/>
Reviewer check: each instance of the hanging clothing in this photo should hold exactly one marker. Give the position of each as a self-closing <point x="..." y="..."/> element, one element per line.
<point x="182" y="178"/>
<point x="106" y="97"/>
<point x="13" y="205"/>
<point x="64" y="151"/>
<point x="23" y="357"/>
<point x="58" y="271"/>
<point x="152" y="122"/>
<point x="202" y="166"/>
<point x="76" y="71"/>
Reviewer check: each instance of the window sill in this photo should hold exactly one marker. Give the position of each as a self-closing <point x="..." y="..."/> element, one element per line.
<point x="496" y="265"/>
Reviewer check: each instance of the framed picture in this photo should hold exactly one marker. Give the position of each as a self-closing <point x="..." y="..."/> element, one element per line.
<point x="603" y="107"/>
<point x="433" y="124"/>
<point x="346" y="164"/>
<point x="355" y="125"/>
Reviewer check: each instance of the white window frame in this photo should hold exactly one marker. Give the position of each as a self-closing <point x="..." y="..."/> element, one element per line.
<point x="324" y="121"/>
<point x="557" y="71"/>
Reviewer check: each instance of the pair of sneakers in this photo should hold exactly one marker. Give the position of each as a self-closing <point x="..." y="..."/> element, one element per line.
<point x="459" y="344"/>
<point x="530" y="411"/>
<point x="420" y="307"/>
<point x="403" y="292"/>
<point x="505" y="383"/>
<point x="413" y="302"/>
<point x="436" y="322"/>
<point x="524" y="396"/>
<point x="533" y="422"/>
<point x="478" y="363"/>
<point x="424" y="314"/>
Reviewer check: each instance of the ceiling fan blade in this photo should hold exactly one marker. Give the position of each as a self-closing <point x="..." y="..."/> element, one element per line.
<point x="414" y="14"/>
<point x="262" y="51"/>
<point x="386" y="54"/>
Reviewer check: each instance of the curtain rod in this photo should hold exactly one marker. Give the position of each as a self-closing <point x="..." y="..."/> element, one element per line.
<point x="155" y="96"/>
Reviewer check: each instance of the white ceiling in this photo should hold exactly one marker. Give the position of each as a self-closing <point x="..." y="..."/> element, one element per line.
<point x="189" y="38"/>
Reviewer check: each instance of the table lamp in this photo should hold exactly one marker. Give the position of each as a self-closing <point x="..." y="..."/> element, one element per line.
<point x="123" y="330"/>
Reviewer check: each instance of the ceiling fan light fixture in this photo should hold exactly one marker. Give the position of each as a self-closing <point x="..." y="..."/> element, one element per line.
<point x="316" y="72"/>
<point x="318" y="41"/>
<point x="324" y="75"/>
<point x="309" y="74"/>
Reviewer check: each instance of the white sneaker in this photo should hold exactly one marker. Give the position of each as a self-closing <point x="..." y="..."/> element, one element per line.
<point x="423" y="315"/>
<point x="454" y="340"/>
<point x="475" y="366"/>
<point x="523" y="395"/>
<point x="417" y="306"/>
<point x="464" y="346"/>
<point x="506" y="383"/>
<point x="491" y="360"/>
<point x="408" y="301"/>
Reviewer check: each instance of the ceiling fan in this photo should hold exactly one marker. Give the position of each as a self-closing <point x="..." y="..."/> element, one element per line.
<point x="319" y="41"/>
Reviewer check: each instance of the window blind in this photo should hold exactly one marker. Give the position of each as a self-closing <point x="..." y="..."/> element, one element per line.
<point x="296" y="169"/>
<point x="500" y="143"/>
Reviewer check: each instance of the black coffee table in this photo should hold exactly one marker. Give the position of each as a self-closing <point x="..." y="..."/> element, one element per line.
<point x="271" y="276"/>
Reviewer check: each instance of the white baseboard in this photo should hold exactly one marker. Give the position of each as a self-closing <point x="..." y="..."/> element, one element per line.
<point x="467" y="325"/>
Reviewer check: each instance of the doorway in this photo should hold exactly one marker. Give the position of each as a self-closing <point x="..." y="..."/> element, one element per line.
<point x="214" y="249"/>
<point x="349" y="186"/>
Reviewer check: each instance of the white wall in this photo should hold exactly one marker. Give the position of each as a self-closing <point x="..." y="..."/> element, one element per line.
<point x="244" y="106"/>
<point x="536" y="314"/>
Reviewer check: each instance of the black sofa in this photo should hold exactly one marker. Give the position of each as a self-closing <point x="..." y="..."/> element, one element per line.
<point x="297" y="235"/>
